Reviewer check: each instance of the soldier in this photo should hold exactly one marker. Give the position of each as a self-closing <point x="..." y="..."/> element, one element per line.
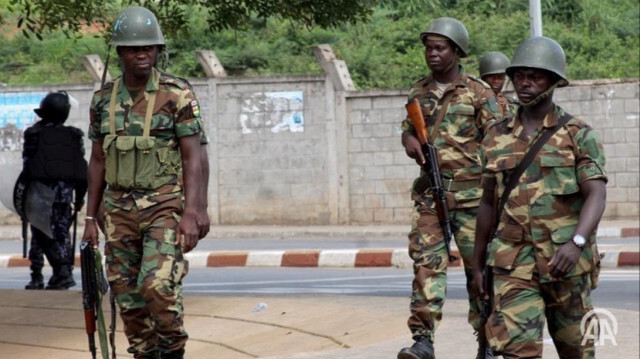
<point x="492" y="69"/>
<point x="544" y="251"/>
<point x="467" y="105"/>
<point x="53" y="158"/>
<point x="146" y="161"/>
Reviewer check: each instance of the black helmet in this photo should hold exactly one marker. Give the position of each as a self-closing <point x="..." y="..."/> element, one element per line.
<point x="54" y="107"/>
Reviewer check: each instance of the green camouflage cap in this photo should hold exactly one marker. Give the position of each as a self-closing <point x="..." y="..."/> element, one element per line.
<point x="136" y="26"/>
<point x="450" y="28"/>
<point x="540" y="53"/>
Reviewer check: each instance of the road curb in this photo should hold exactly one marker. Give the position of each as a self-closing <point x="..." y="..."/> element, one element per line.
<point x="327" y="258"/>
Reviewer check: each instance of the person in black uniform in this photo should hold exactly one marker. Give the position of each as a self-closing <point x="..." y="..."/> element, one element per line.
<point x="53" y="157"/>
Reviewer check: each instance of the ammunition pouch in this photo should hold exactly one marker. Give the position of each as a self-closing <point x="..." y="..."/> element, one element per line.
<point x="139" y="162"/>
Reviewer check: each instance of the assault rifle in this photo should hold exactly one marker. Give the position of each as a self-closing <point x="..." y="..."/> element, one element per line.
<point x="485" y="309"/>
<point x="433" y="178"/>
<point x="94" y="286"/>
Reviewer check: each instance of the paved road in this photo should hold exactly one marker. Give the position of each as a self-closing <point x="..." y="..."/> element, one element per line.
<point x="618" y="288"/>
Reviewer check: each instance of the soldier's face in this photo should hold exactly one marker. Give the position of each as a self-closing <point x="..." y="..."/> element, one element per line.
<point x="439" y="54"/>
<point x="496" y="81"/>
<point x="530" y="83"/>
<point x="138" y="60"/>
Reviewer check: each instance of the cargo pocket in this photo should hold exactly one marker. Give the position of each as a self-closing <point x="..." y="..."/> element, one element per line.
<point x="111" y="159"/>
<point x="507" y="245"/>
<point x="559" y="172"/>
<point x="147" y="165"/>
<point x="496" y="329"/>
<point x="125" y="146"/>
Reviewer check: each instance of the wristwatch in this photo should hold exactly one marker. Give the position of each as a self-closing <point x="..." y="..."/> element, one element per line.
<point x="579" y="241"/>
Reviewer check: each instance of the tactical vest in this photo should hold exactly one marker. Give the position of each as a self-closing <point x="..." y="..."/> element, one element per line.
<point x="138" y="162"/>
<point x="58" y="155"/>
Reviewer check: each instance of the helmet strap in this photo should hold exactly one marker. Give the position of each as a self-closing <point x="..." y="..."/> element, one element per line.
<point x="164" y="58"/>
<point x="542" y="96"/>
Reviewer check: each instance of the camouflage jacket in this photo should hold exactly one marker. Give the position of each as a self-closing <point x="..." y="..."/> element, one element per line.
<point x="472" y="108"/>
<point x="176" y="114"/>
<point x="506" y="105"/>
<point x="542" y="211"/>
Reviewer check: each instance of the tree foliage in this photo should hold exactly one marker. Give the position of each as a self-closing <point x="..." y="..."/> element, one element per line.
<point x="70" y="16"/>
<point x="601" y="40"/>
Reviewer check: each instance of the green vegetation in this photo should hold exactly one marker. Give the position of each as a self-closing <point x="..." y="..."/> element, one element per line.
<point x="601" y="40"/>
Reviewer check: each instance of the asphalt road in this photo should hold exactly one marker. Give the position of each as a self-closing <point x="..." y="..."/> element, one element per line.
<point x="619" y="288"/>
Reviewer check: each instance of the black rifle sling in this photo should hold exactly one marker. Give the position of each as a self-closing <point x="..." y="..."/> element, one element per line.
<point x="513" y="179"/>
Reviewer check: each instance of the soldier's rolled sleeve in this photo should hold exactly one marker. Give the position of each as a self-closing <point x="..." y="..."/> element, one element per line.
<point x="188" y="121"/>
<point x="590" y="161"/>
<point x="94" y="133"/>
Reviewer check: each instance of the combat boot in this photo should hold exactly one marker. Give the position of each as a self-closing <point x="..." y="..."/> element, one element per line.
<point x="421" y="349"/>
<point x="61" y="279"/>
<point x="176" y="354"/>
<point x="37" y="281"/>
<point x="485" y="353"/>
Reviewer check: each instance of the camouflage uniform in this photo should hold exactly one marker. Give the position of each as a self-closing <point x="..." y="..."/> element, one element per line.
<point x="144" y="266"/>
<point x="507" y="106"/>
<point x="472" y="107"/>
<point x="541" y="215"/>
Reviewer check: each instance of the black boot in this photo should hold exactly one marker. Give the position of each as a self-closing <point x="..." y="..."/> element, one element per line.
<point x="61" y="279"/>
<point x="176" y="354"/>
<point x="485" y="353"/>
<point x="37" y="282"/>
<point x="421" y="349"/>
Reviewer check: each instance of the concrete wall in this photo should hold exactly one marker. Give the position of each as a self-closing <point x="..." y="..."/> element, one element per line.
<point x="303" y="151"/>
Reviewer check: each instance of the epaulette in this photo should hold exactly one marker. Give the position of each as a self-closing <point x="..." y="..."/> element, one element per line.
<point x="106" y="87"/>
<point x="481" y="81"/>
<point x="168" y="79"/>
<point x="420" y="81"/>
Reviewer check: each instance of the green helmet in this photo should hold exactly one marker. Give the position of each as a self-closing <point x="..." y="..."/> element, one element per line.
<point x="540" y="53"/>
<point x="450" y="28"/>
<point x="136" y="26"/>
<point x="493" y="62"/>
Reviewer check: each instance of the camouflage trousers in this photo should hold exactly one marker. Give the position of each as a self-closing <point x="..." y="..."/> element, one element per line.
<point x="515" y="327"/>
<point x="145" y="270"/>
<point x="427" y="248"/>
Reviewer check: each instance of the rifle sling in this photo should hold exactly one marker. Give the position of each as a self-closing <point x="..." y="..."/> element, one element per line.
<point x="514" y="177"/>
<point x="441" y="112"/>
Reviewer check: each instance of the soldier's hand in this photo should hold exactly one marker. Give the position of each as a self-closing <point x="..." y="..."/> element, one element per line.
<point x="564" y="260"/>
<point x="202" y="220"/>
<point x="91" y="233"/>
<point x="478" y="280"/>
<point x="187" y="232"/>
<point x="412" y="148"/>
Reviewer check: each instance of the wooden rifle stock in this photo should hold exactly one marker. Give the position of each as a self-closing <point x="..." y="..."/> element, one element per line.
<point x="417" y="120"/>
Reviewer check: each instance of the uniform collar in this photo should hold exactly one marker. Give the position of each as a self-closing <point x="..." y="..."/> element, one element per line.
<point x="549" y="121"/>
<point x="154" y="81"/>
